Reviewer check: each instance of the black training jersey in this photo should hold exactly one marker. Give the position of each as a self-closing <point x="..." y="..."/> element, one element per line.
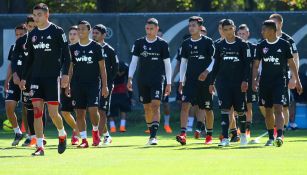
<point x="111" y="62"/>
<point x="274" y="58"/>
<point x="10" y="55"/>
<point x="85" y="59"/>
<point x="290" y="40"/>
<point x="122" y="77"/>
<point x="252" y="48"/>
<point x="151" y="59"/>
<point x="46" y="48"/>
<point x="232" y="61"/>
<point x="199" y="54"/>
<point x="19" y="55"/>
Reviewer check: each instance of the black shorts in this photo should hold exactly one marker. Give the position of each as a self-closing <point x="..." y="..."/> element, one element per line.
<point x="178" y="95"/>
<point x="47" y="89"/>
<point x="271" y="94"/>
<point x="13" y="93"/>
<point x="66" y="102"/>
<point x="119" y="103"/>
<point x="85" y="95"/>
<point x="150" y="91"/>
<point x="197" y="93"/>
<point x="231" y="96"/>
<point x="251" y="96"/>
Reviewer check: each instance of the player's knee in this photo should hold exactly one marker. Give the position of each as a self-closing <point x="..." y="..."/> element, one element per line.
<point x="38" y="112"/>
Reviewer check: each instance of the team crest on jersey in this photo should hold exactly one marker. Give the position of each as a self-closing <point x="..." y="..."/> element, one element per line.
<point x="144" y="47"/>
<point x="34" y="38"/>
<point x="73" y="103"/>
<point x="76" y="52"/>
<point x="265" y="50"/>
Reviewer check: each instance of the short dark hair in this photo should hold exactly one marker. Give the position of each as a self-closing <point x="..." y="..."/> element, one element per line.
<point x="198" y="19"/>
<point x="41" y="6"/>
<point x="228" y="22"/>
<point x="74" y="27"/>
<point x="243" y="27"/>
<point x="21" y="27"/>
<point x="101" y="28"/>
<point x="88" y="25"/>
<point x="270" y="24"/>
<point x="277" y="16"/>
<point x="221" y="21"/>
<point x="153" y="21"/>
<point x="29" y="19"/>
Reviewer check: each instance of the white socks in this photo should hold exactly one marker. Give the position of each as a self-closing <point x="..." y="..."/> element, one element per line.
<point x="166" y="119"/>
<point x="83" y="135"/>
<point x="62" y="132"/>
<point x="17" y="130"/>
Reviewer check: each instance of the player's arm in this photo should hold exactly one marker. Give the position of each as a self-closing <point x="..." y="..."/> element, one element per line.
<point x="66" y="58"/>
<point x="114" y="64"/>
<point x="294" y="71"/>
<point x="256" y="63"/>
<point x="133" y="64"/>
<point x="28" y="63"/>
<point x="168" y="68"/>
<point x="246" y="62"/>
<point x="177" y="67"/>
<point x="8" y="77"/>
<point x="15" y="56"/>
<point x="216" y="65"/>
<point x="104" y="80"/>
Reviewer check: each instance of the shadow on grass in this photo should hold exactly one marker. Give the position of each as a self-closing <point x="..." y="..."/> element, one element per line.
<point x="7" y="157"/>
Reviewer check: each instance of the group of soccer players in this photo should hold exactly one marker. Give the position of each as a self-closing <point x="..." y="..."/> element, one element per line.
<point x="79" y="76"/>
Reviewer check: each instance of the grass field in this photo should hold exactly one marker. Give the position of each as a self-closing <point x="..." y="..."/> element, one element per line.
<point x="129" y="155"/>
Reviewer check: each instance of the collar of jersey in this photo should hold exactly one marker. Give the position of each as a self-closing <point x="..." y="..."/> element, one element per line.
<point x="272" y="42"/>
<point x="152" y="40"/>
<point x="49" y="24"/>
<point x="85" y="44"/>
<point x="229" y="42"/>
<point x="196" y="39"/>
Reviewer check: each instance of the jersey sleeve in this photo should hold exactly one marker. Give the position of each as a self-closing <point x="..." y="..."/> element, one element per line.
<point x="165" y="51"/>
<point x="288" y="51"/>
<point x="72" y="50"/>
<point x="216" y="66"/>
<point x="136" y="49"/>
<point x="99" y="53"/>
<point x="66" y="57"/>
<point x="15" y="55"/>
<point x="246" y="60"/>
<point x="114" y="62"/>
<point x="30" y="58"/>
<point x="258" y="54"/>
<point x="211" y="48"/>
<point x="293" y="45"/>
<point x="184" y="51"/>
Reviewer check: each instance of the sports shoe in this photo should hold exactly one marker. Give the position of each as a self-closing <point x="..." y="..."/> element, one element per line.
<point x="96" y="138"/>
<point x="62" y="144"/>
<point x="27" y="142"/>
<point x="39" y="152"/>
<point x="17" y="139"/>
<point x="74" y="139"/>
<point x="112" y="129"/>
<point x="243" y="139"/>
<point x="152" y="141"/>
<point x="224" y="142"/>
<point x="208" y="140"/>
<point x="270" y="142"/>
<point x="168" y="129"/>
<point x="279" y="142"/>
<point x="84" y="144"/>
<point x="197" y="134"/>
<point x="33" y="142"/>
<point x="122" y="129"/>
<point x="235" y="139"/>
<point x="182" y="138"/>
<point x="107" y="140"/>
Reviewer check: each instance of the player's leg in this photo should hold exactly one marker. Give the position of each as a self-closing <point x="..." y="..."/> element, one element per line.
<point x="94" y="116"/>
<point x="30" y="120"/>
<point x="155" y="108"/>
<point x="123" y="116"/>
<point x="224" y="95"/>
<point x="240" y="107"/>
<point x="206" y="103"/>
<point x="184" y="113"/>
<point x="166" y="111"/>
<point x="145" y="99"/>
<point x="81" y="122"/>
<point x="233" y="126"/>
<point x="25" y="124"/>
<point x="192" y="114"/>
<point x="38" y="108"/>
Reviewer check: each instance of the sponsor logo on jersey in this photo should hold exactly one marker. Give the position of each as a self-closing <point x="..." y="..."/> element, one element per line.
<point x="146" y="54"/>
<point x="33" y="86"/>
<point x="84" y="58"/>
<point x="272" y="59"/>
<point x="265" y="50"/>
<point x="41" y="45"/>
<point x="234" y="59"/>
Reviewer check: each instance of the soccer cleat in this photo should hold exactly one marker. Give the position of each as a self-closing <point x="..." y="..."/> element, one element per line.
<point x="74" y="139"/>
<point x="224" y="142"/>
<point x="270" y="142"/>
<point x="84" y="144"/>
<point x="208" y="140"/>
<point x="27" y="142"/>
<point x="152" y="141"/>
<point x="17" y="139"/>
<point x="279" y="142"/>
<point x="243" y="139"/>
<point x="62" y="144"/>
<point x="96" y="138"/>
<point x="147" y="131"/>
<point x="182" y="138"/>
<point x="122" y="129"/>
<point x="112" y="129"/>
<point x="235" y="139"/>
<point x="197" y="134"/>
<point x="33" y="142"/>
<point x="248" y="133"/>
<point x="39" y="152"/>
<point x="107" y="140"/>
<point x="168" y="129"/>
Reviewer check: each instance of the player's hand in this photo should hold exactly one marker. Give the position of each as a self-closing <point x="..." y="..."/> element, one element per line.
<point x="212" y="89"/>
<point x="67" y="91"/>
<point x="22" y="85"/>
<point x="167" y="90"/>
<point x="129" y="84"/>
<point x="203" y="75"/>
<point x="6" y="86"/>
<point x="105" y="92"/>
<point x="299" y="87"/>
<point x="292" y="83"/>
<point x="16" y="78"/>
<point x="180" y="87"/>
<point x="244" y="86"/>
<point x="255" y="85"/>
<point x="64" y="81"/>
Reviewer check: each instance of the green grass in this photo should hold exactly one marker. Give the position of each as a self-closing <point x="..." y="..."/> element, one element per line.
<point x="129" y="155"/>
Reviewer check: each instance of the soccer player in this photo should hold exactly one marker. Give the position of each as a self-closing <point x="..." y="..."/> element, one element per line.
<point x="89" y="74"/>
<point x="111" y="63"/>
<point x="46" y="45"/>
<point x="152" y="54"/>
<point x="275" y="54"/>
<point x="232" y="65"/>
<point x="252" y="97"/>
<point x="66" y="100"/>
<point x="291" y="81"/>
<point x="12" y="90"/>
<point x="196" y="64"/>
